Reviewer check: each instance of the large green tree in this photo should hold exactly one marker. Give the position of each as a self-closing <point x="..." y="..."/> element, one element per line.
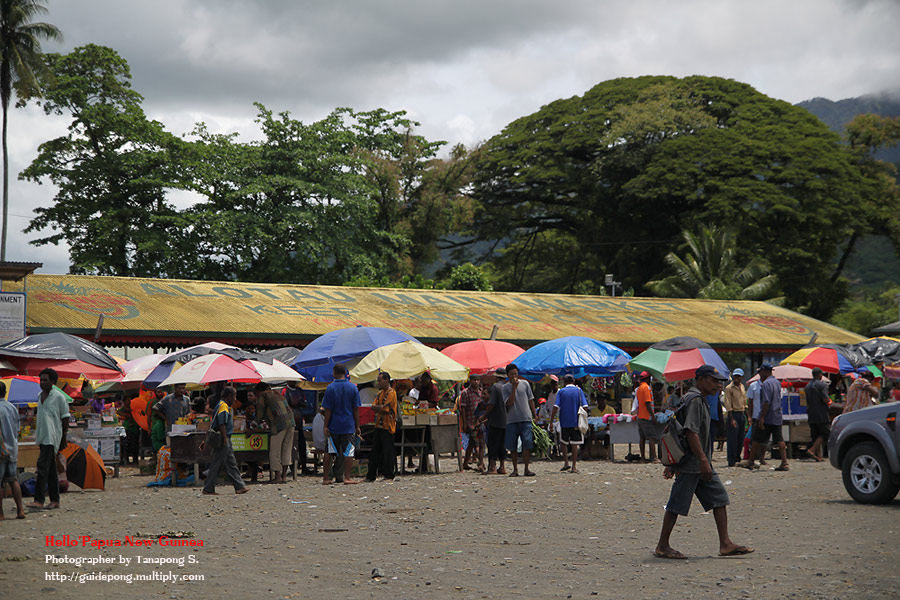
<point x="353" y="196"/>
<point x="605" y="183"/>
<point x="20" y="60"/>
<point x="112" y="170"/>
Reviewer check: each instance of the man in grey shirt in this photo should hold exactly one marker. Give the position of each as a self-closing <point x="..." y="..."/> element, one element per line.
<point x="696" y="476"/>
<point x="495" y="417"/>
<point x="173" y="407"/>
<point x="520" y="411"/>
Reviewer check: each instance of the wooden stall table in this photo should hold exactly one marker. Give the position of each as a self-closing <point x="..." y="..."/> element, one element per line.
<point x="248" y="447"/>
<point x="445" y="439"/>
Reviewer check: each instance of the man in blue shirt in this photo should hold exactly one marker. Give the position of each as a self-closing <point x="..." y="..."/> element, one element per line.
<point x="341" y="404"/>
<point x="768" y="423"/>
<point x="568" y="401"/>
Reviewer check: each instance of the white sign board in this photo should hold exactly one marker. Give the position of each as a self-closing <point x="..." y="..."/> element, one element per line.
<point x="12" y="316"/>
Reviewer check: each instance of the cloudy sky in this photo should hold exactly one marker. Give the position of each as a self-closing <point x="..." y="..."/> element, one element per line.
<point x="463" y="69"/>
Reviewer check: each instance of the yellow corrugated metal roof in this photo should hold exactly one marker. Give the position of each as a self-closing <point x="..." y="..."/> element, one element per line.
<point x="162" y="311"/>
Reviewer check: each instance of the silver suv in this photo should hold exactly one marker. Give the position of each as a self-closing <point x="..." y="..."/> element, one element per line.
<point x="865" y="446"/>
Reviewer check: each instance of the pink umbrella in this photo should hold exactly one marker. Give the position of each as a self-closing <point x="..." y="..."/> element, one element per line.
<point x="483" y="356"/>
<point x="788" y="373"/>
<point x="212" y="368"/>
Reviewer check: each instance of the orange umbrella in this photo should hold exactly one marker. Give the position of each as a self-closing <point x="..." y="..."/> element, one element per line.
<point x="84" y="467"/>
<point x="139" y="411"/>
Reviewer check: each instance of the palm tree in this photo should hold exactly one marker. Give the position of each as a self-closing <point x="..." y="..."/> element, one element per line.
<point x="710" y="271"/>
<point x="20" y="59"/>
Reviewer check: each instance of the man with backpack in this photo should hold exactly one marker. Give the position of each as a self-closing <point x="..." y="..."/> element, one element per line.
<point x="695" y="476"/>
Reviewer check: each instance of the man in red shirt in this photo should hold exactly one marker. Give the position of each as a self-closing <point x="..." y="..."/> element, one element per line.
<point x="646" y="416"/>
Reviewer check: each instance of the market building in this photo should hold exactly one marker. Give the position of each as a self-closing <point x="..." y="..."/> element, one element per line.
<point x="164" y="313"/>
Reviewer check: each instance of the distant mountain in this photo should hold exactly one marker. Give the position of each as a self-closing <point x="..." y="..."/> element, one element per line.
<point x="837" y="114"/>
<point x="874" y="261"/>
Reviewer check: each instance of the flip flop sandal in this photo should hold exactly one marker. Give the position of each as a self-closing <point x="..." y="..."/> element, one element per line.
<point x="513" y="474"/>
<point x="674" y="554"/>
<point x="566" y="468"/>
<point x="739" y="551"/>
<point x="529" y="474"/>
<point x="782" y="468"/>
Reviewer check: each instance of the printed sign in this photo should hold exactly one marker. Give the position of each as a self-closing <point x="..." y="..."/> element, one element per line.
<point x="249" y="443"/>
<point x="12" y="316"/>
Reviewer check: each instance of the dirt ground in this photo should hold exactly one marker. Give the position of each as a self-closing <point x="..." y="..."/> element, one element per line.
<point x="465" y="535"/>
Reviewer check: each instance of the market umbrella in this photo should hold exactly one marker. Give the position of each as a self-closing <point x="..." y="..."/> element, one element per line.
<point x="270" y="373"/>
<point x="831" y="358"/>
<point x="173" y="361"/>
<point x="483" y="356"/>
<point x="287" y="354"/>
<point x="676" y="359"/>
<point x="70" y="356"/>
<point x="788" y="373"/>
<point x="84" y="467"/>
<point x="7" y="367"/>
<point x="341" y="347"/>
<point x="22" y="390"/>
<point x="880" y="349"/>
<point x="406" y="360"/>
<point x="210" y="369"/>
<point x="572" y="355"/>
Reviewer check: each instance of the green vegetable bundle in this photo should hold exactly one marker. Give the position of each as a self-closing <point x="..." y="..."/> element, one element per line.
<point x="541" y="440"/>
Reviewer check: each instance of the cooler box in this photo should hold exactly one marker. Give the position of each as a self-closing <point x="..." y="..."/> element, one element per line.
<point x="790" y="405"/>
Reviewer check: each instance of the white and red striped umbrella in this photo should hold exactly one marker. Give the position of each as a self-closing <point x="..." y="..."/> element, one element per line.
<point x="210" y="369"/>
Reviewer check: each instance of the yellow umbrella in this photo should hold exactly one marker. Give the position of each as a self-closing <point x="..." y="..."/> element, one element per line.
<point x="405" y="360"/>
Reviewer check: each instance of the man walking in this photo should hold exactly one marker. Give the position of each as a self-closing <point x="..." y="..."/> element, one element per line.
<point x="735" y="416"/>
<point x="341" y="404"/>
<point x="495" y="417"/>
<point x="9" y="452"/>
<point x="519" y="401"/>
<point x="646" y="417"/>
<point x="383" y="458"/>
<point x="51" y="425"/>
<point x="817" y="413"/>
<point x="568" y="401"/>
<point x="768" y="424"/>
<point x="696" y="476"/>
<point x="222" y="425"/>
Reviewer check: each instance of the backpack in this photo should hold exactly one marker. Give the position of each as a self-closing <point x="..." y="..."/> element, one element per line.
<point x="673" y="447"/>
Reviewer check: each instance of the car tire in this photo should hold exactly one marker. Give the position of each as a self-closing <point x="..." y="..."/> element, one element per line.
<point x="867" y="475"/>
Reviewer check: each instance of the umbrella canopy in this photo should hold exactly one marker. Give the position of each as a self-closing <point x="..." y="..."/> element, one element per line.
<point x="483" y="356"/>
<point x="676" y="359"/>
<point x="173" y="361"/>
<point x="84" y="467"/>
<point x="788" y="373"/>
<point x="575" y="355"/>
<point x="277" y="371"/>
<point x="880" y="349"/>
<point x="7" y="367"/>
<point x="406" y="360"/>
<point x="343" y="344"/>
<point x="287" y="355"/>
<point x="210" y="369"/>
<point x="72" y="357"/>
<point x="830" y="358"/>
<point x="23" y="389"/>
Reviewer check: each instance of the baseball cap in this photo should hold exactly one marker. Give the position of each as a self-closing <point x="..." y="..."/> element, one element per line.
<point x="709" y="371"/>
<point x="737" y="372"/>
<point x="554" y="378"/>
<point x="765" y="367"/>
<point x="644" y="374"/>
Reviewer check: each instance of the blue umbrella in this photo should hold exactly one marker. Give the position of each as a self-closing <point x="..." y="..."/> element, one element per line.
<point x="342" y="346"/>
<point x="572" y="355"/>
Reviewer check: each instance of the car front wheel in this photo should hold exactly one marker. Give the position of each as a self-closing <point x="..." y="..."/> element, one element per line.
<point x="867" y="475"/>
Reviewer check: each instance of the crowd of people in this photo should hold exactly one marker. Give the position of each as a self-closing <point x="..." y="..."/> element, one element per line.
<point x="497" y="415"/>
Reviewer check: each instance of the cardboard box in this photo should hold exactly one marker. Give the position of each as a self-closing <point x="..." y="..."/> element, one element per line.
<point x="176" y="428"/>
<point x="447" y="419"/>
<point x="423" y="419"/>
<point x="366" y="415"/>
<point x="409" y="420"/>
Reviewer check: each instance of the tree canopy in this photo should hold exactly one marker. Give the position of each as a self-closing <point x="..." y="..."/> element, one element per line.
<point x="605" y="182"/>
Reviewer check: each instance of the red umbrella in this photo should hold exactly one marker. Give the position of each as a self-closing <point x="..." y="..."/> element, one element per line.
<point x="66" y="369"/>
<point x="483" y="356"/>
